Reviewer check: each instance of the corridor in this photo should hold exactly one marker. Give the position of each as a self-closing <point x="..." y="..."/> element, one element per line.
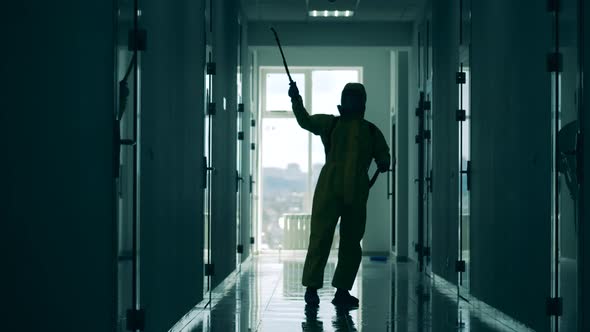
<point x="166" y="165"/>
<point x="267" y="296"/>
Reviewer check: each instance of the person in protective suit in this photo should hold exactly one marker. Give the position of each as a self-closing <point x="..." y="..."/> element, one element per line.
<point x="351" y="143"/>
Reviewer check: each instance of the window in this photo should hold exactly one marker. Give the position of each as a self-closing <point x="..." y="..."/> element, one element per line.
<point x="291" y="157"/>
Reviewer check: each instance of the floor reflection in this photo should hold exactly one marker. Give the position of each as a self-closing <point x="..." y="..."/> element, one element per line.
<point x="267" y="296"/>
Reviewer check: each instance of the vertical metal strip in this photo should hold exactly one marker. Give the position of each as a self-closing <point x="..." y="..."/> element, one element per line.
<point x="421" y="181"/>
<point x="210" y="178"/>
<point x="134" y="270"/>
<point x="419" y="59"/>
<point x="581" y="210"/>
<point x="555" y="173"/>
<point x="461" y="177"/>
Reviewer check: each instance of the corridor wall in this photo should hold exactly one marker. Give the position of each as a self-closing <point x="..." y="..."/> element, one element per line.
<point x="584" y="239"/>
<point x="511" y="155"/>
<point x="57" y="202"/>
<point x="171" y="150"/>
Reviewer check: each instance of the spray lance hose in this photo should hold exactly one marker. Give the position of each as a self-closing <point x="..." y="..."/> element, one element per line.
<point x="376" y="174"/>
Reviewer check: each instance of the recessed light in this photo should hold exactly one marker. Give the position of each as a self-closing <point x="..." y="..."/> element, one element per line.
<point x="331" y="13"/>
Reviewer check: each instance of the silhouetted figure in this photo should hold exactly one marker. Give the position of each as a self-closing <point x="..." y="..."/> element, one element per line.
<point x="351" y="143"/>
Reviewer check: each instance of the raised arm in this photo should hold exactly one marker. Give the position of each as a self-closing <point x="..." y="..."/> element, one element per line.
<point x="317" y="124"/>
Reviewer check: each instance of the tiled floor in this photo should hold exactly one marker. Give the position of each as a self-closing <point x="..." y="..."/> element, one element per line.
<point x="267" y="296"/>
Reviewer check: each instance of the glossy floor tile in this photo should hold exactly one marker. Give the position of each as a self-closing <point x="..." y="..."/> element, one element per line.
<point x="267" y="296"/>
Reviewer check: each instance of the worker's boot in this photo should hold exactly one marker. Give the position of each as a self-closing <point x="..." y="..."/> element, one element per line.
<point x="311" y="296"/>
<point x="344" y="299"/>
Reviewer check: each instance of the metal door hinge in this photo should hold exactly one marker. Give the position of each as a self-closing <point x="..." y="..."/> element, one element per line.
<point x="137" y="40"/>
<point x="240" y="248"/>
<point x="419" y="111"/>
<point x="204" y="174"/>
<point x="418" y="139"/>
<point x="429" y="182"/>
<point x="467" y="173"/>
<point x="253" y="123"/>
<point x="127" y="142"/>
<point x="427" y="105"/>
<point x="135" y="319"/>
<point x="238" y="179"/>
<point x="251" y="183"/>
<point x="554" y="306"/>
<point x="417" y="247"/>
<point x="554" y="62"/>
<point x="461" y="77"/>
<point x="460" y="266"/>
<point x="579" y="158"/>
<point x="253" y="146"/>
<point x="251" y="240"/>
<point x="211" y="109"/>
<point x="240" y="135"/>
<point x="209" y="270"/>
<point x="241" y="108"/>
<point x="211" y="68"/>
<point x="461" y="115"/>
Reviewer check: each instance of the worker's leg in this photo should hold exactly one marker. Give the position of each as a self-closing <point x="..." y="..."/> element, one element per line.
<point x="352" y="229"/>
<point x="324" y="218"/>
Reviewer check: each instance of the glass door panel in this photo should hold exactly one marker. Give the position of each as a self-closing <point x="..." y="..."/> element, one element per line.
<point x="128" y="94"/>
<point x="240" y="138"/>
<point x="464" y="186"/>
<point x="208" y="141"/>
<point x="464" y="162"/>
<point x="566" y="189"/>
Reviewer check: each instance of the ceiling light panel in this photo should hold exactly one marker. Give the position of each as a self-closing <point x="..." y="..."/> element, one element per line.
<point x="331" y="13"/>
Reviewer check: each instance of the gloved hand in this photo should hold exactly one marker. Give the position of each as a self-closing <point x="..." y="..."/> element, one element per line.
<point x="293" y="91"/>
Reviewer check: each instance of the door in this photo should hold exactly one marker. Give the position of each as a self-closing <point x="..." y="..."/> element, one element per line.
<point x="428" y="160"/>
<point x="208" y="168"/>
<point x="128" y="62"/>
<point x="464" y="128"/>
<point x="566" y="110"/>
<point x="240" y="139"/>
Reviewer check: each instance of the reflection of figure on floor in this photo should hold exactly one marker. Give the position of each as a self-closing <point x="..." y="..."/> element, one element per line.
<point x="311" y="323"/>
<point x="351" y="143"/>
<point x="343" y="321"/>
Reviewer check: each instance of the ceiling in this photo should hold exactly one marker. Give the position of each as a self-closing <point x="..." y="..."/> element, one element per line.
<point x="365" y="10"/>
